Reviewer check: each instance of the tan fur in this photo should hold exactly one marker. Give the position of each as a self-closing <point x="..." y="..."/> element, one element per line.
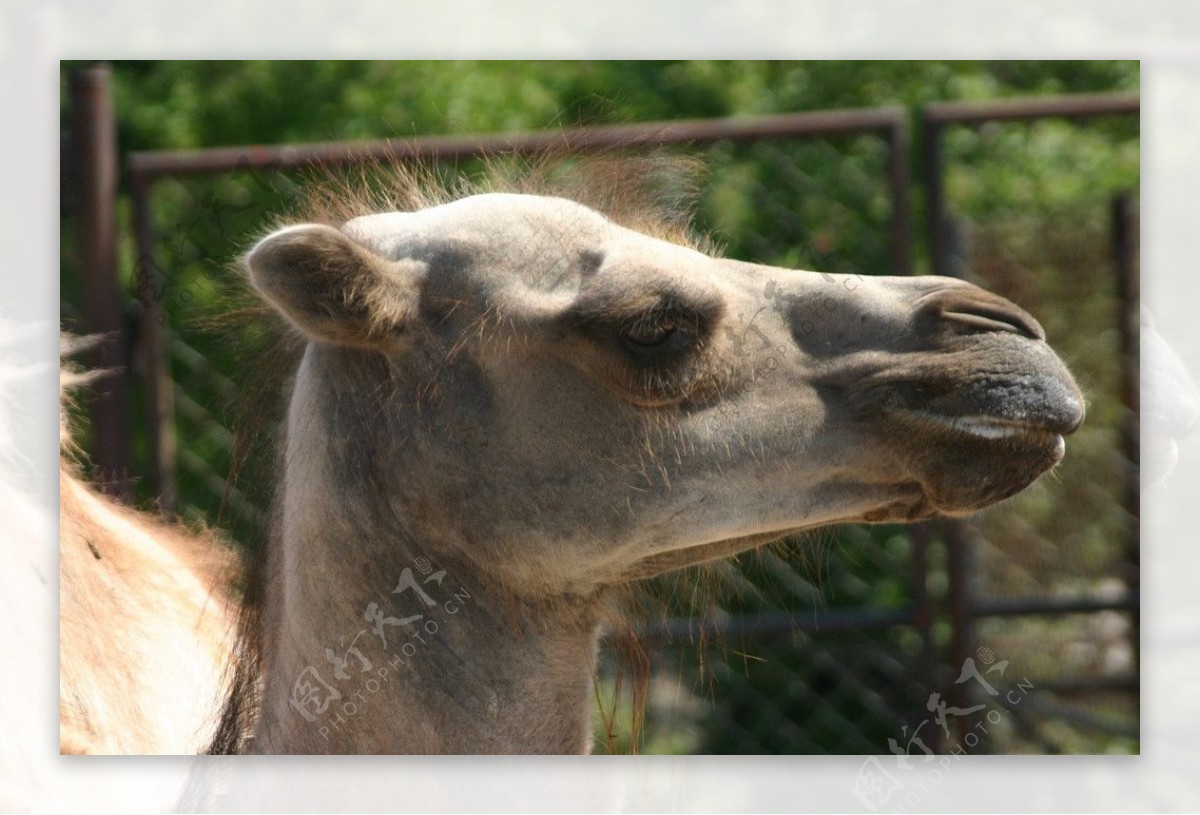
<point x="146" y="628"/>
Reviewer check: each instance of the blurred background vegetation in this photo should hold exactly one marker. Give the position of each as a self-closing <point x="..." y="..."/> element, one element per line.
<point x="1031" y="204"/>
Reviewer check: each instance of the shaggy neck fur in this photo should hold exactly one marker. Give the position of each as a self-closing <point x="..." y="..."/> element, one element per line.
<point x="381" y="638"/>
<point x="474" y="675"/>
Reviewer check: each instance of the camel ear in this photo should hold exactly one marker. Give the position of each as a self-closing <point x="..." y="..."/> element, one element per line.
<point x="332" y="288"/>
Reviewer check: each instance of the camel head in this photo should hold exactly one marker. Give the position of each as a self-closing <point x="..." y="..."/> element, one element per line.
<point x="564" y="403"/>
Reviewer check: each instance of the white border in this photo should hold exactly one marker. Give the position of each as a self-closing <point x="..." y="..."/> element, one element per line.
<point x="1163" y="34"/>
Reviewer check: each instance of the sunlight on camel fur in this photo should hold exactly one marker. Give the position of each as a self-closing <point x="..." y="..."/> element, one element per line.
<point x="146" y="624"/>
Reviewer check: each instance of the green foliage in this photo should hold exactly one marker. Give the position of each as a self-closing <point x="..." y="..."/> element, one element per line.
<point x="173" y="105"/>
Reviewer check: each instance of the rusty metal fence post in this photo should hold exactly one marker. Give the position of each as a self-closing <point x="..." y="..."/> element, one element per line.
<point x="1128" y="317"/>
<point x="94" y="143"/>
<point x="899" y="143"/>
<point x="151" y="282"/>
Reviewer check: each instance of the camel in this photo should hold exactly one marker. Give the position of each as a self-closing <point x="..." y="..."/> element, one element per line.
<point x="147" y="612"/>
<point x="509" y="406"/>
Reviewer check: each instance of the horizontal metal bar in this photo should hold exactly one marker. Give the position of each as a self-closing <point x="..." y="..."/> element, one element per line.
<point x="694" y="131"/>
<point x="1091" y="684"/>
<point x="1074" y="106"/>
<point x="1037" y="705"/>
<point x="825" y="620"/>
<point x="782" y="623"/>
<point x="1081" y="605"/>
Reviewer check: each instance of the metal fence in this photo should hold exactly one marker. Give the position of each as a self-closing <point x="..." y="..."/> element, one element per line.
<point x="842" y="651"/>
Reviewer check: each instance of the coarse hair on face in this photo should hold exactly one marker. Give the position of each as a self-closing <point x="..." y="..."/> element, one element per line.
<point x="651" y="191"/>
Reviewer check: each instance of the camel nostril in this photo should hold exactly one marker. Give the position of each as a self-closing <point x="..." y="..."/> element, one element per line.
<point x="980" y="320"/>
<point x="973" y="311"/>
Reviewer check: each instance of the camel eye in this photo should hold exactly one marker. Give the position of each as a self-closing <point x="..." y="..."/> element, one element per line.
<point x="651" y="331"/>
<point x="660" y="337"/>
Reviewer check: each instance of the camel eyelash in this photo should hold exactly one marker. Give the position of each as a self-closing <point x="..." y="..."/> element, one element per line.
<point x="652" y="328"/>
<point x="660" y="334"/>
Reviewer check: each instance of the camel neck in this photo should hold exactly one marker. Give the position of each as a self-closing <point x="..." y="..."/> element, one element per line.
<point x="381" y="634"/>
<point x="428" y="659"/>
